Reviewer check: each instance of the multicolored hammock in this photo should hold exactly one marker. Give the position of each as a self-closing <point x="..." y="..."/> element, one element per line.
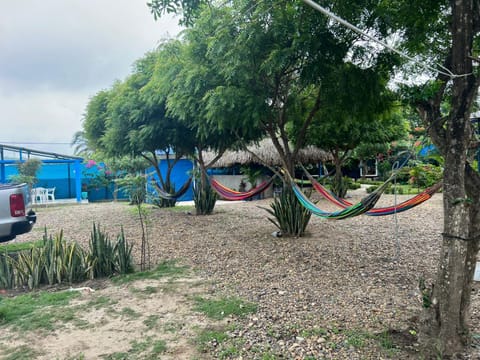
<point x="359" y="208"/>
<point x="167" y="196"/>
<point x="232" y="195"/>
<point x="380" y="211"/>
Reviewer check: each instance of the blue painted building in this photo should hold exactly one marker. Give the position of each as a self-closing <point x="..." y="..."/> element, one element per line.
<point x="70" y="175"/>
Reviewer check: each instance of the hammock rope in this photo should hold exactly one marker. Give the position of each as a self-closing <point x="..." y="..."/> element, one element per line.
<point x="357" y="209"/>
<point x="167" y="196"/>
<point x="380" y="211"/>
<point x="233" y="195"/>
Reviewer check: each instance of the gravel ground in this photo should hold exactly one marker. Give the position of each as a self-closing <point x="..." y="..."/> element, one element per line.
<point x="330" y="294"/>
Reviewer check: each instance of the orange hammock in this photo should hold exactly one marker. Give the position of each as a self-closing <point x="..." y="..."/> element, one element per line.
<point x="232" y="195"/>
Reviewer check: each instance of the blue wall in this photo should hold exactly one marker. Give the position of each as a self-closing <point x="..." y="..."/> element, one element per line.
<point x="180" y="174"/>
<point x="62" y="178"/>
<point x="58" y="176"/>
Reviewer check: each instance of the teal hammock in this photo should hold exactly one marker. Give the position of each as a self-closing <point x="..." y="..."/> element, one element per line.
<point x="359" y="208"/>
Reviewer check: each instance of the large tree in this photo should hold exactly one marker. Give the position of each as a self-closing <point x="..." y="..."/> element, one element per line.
<point x="265" y="56"/>
<point x="358" y="110"/>
<point x="134" y="123"/>
<point x="446" y="34"/>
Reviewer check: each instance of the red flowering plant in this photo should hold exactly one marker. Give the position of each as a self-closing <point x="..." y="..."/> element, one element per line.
<point x="97" y="175"/>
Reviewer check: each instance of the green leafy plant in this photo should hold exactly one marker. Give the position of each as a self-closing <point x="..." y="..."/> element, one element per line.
<point x="30" y="266"/>
<point x="101" y="259"/>
<point x="425" y="175"/>
<point x="7" y="275"/>
<point x="134" y="187"/>
<point x="27" y="172"/>
<point x="288" y="214"/>
<point x="123" y="255"/>
<point x="219" y="309"/>
<point x="204" y="199"/>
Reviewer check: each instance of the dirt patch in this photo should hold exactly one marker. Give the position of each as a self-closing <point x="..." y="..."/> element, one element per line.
<point x="326" y="295"/>
<point x="122" y="322"/>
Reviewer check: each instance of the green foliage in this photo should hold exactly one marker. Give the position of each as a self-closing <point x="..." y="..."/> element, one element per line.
<point x="7" y="275"/>
<point x="30" y="266"/>
<point x="209" y="336"/>
<point x="15" y="247"/>
<point x="101" y="260"/>
<point x="167" y="268"/>
<point x="204" y="199"/>
<point x="123" y="255"/>
<point x="339" y="186"/>
<point x="425" y="175"/>
<point x="63" y="261"/>
<point x="27" y="172"/>
<point x="134" y="186"/>
<point x="288" y="214"/>
<point x="219" y="309"/>
<point x="23" y="309"/>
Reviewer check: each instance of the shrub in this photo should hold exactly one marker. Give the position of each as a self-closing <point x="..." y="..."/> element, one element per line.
<point x="101" y="259"/>
<point x="123" y="255"/>
<point x="425" y="175"/>
<point x="204" y="199"/>
<point x="7" y="275"/>
<point x="289" y="215"/>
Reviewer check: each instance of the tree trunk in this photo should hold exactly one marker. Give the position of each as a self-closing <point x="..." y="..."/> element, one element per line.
<point x="446" y="324"/>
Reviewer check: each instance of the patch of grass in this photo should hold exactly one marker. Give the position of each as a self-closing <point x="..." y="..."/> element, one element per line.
<point x="80" y="356"/>
<point x="306" y="333"/>
<point x="181" y="208"/>
<point x="385" y="340"/>
<point x="149" y="349"/>
<point x="151" y="321"/>
<point x="14" y="247"/>
<point x="173" y="327"/>
<point x="209" y="338"/>
<point x="130" y="313"/>
<point x="159" y="347"/>
<point x="221" y="308"/>
<point x="356" y="338"/>
<point x="164" y="269"/>
<point x="35" y="311"/>
<point x="116" y="356"/>
<point x="100" y="302"/>
<point x="268" y="356"/>
<point x="144" y="208"/>
<point x="19" y="353"/>
<point x="150" y="290"/>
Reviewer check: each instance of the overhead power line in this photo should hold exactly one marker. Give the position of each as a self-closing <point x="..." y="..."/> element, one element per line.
<point x="331" y="15"/>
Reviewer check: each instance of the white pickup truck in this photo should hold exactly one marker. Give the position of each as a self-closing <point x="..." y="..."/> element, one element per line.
<point x="16" y="215"/>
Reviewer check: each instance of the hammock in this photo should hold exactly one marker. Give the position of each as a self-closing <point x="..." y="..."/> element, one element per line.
<point x="167" y="196"/>
<point x="232" y="195"/>
<point x="359" y="208"/>
<point x="380" y="211"/>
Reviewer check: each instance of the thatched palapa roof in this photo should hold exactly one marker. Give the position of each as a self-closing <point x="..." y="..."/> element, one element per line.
<point x="266" y="151"/>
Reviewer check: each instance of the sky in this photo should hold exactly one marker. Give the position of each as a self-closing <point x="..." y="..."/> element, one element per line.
<point x="56" y="54"/>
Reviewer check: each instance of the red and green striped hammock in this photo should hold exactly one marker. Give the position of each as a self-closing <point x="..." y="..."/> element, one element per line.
<point x="363" y="206"/>
<point x="233" y="195"/>
<point x="380" y="211"/>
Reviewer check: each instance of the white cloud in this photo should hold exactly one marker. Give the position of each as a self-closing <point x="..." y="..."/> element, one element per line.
<point x="56" y="54"/>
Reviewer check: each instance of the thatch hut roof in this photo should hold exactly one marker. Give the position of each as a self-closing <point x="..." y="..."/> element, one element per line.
<point x="268" y="154"/>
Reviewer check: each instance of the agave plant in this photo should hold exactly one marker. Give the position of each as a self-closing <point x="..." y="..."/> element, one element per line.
<point x="204" y="199"/>
<point x="7" y="274"/>
<point x="30" y="266"/>
<point x="101" y="259"/>
<point x="288" y="214"/>
<point x="123" y="255"/>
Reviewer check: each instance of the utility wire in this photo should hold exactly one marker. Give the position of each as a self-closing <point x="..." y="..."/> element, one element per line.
<point x="331" y="15"/>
